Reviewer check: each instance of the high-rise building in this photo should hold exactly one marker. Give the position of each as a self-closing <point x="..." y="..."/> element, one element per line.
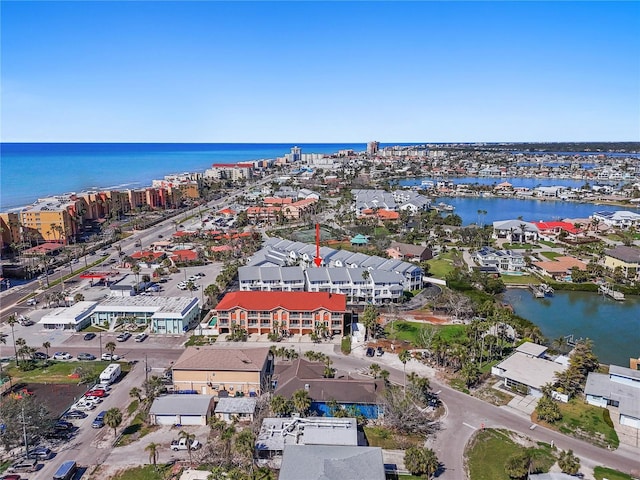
<point x="296" y="154"/>
<point x="373" y="147"/>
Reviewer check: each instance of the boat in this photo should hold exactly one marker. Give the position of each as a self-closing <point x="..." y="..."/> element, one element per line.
<point x="444" y="207"/>
<point x="547" y="290"/>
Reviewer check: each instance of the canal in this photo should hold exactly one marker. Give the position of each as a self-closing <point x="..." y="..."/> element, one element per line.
<point x="613" y="326"/>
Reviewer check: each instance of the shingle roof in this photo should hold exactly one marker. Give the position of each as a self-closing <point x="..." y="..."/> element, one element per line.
<point x="227" y="359"/>
<point x="245" y="405"/>
<point x="293" y="301"/>
<point x="624" y="253"/>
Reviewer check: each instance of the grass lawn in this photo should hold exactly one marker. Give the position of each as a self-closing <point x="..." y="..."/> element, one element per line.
<point x="385" y="438"/>
<point x="489" y="450"/>
<point x="551" y="255"/>
<point x="409" y="331"/>
<point x="143" y="473"/>
<point x="519" y="246"/>
<point x="519" y="279"/>
<point x="603" y="472"/>
<point x="441" y="266"/>
<point x="589" y="423"/>
<point x="58" y="372"/>
<point x="548" y="243"/>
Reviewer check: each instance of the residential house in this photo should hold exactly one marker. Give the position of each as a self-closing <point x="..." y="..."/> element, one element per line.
<point x="504" y="261"/>
<point x="332" y="463"/>
<point x="516" y="231"/>
<point x="620" y="388"/>
<point x="272" y="279"/>
<point x="527" y="370"/>
<point x="223" y="372"/>
<point x="619" y="219"/>
<point x="553" y="229"/>
<point x="407" y="251"/>
<point x="180" y="410"/>
<point x="560" y="267"/>
<point x="296" y="312"/>
<point x="231" y="409"/>
<point x="358" y="395"/>
<point x="627" y="258"/>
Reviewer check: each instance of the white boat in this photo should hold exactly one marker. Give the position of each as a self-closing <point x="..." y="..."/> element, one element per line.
<point x="444" y="207"/>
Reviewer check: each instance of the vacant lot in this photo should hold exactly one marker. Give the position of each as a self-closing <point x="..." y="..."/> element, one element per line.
<point x="56" y="396"/>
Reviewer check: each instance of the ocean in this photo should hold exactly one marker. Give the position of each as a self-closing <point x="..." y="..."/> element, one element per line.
<point x="29" y="171"/>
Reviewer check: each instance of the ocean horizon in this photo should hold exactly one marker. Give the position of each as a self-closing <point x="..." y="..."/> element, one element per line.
<point x="36" y="170"/>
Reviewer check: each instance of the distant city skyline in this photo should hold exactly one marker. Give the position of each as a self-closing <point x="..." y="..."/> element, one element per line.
<point x="330" y="72"/>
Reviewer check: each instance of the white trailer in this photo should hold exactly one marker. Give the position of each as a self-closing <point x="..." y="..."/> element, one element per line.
<point x="111" y="373"/>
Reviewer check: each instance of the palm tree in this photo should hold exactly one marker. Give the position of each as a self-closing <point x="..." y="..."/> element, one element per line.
<point x="245" y="445"/>
<point x="404" y="356"/>
<point x="12" y="320"/>
<point x="152" y="448"/>
<point x="189" y="438"/>
<point x="110" y="347"/>
<point x="46" y="346"/>
<point x="280" y="406"/>
<point x="113" y="419"/>
<point x="3" y="341"/>
<point x="301" y="401"/>
<point x="136" y="393"/>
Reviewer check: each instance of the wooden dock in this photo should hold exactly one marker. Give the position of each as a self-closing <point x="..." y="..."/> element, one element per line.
<point x="610" y="292"/>
<point x="537" y="291"/>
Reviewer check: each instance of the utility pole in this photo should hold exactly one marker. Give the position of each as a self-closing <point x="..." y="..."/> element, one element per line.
<point x="146" y="369"/>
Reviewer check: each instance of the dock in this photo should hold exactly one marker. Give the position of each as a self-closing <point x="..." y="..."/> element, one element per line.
<point x="537" y="291"/>
<point x="542" y="290"/>
<point x="610" y="292"/>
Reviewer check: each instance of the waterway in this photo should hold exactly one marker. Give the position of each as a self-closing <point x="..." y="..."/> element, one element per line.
<point x="530" y="210"/>
<point x="613" y="326"/>
<point x="517" y="182"/>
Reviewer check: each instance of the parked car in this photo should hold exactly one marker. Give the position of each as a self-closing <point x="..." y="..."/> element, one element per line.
<point x="31" y="302"/>
<point x="96" y="392"/>
<point x="123" y="337"/>
<point x="370" y="352"/>
<point x="93" y="399"/>
<point x="12" y="476"/>
<point x="62" y="356"/>
<point x="74" y="414"/>
<point x="84" y="405"/>
<point x="62" y="425"/>
<point x="41" y="453"/>
<point x="141" y="337"/>
<point x="380" y="351"/>
<point x="108" y="357"/>
<point x="98" y="422"/>
<point x="86" y="356"/>
<point x="40" y="356"/>
<point x="24" y="465"/>
<point x="90" y="336"/>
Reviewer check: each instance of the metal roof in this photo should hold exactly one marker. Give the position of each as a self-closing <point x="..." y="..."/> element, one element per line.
<point x="332" y="463"/>
<point x="182" y="405"/>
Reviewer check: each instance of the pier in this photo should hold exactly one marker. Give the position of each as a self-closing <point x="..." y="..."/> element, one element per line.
<point x="537" y="292"/>
<point x="542" y="290"/>
<point x="608" y="291"/>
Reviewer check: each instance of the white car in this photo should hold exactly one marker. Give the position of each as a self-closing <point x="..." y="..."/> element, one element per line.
<point x="83" y="405"/>
<point x="193" y="278"/>
<point x="62" y="356"/>
<point x="110" y="357"/>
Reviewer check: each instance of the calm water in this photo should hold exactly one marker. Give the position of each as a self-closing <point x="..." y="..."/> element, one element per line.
<point x="515" y="181"/>
<point x="613" y="326"/>
<point x="530" y="210"/>
<point x="32" y="170"/>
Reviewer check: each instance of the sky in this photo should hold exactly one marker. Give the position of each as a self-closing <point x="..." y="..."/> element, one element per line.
<point x="259" y="72"/>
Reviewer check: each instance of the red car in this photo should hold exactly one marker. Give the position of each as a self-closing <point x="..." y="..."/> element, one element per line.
<point x="96" y="393"/>
<point x="11" y="477"/>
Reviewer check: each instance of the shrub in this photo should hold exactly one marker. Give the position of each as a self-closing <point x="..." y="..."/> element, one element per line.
<point x="345" y="345"/>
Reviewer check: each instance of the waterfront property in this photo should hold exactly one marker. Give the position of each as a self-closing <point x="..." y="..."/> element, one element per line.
<point x="618" y="219"/>
<point x="527" y="370"/>
<point x="223" y="372"/>
<point x="177" y="410"/>
<point x="559" y="268"/>
<point x="505" y="261"/>
<point x="168" y="315"/>
<point x="361" y="395"/>
<point x="625" y="258"/>
<point x="294" y="312"/>
<point x="410" y="252"/>
<point x="620" y="388"/>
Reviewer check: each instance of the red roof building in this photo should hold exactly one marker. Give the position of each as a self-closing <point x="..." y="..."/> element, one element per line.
<point x="557" y="227"/>
<point x="184" y="255"/>
<point x="294" y="312"/>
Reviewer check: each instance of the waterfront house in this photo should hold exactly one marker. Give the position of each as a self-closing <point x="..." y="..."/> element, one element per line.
<point x="553" y="229"/>
<point x="504" y="261"/>
<point x="516" y="231"/>
<point x="223" y="372"/>
<point x="560" y="267"/>
<point x="361" y="395"/>
<point x="295" y="312"/>
<point x="626" y="258"/>
<point x="620" y="389"/>
<point x="407" y="251"/>
<point x="619" y="219"/>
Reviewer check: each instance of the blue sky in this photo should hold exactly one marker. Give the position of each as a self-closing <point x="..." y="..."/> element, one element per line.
<point x="320" y="71"/>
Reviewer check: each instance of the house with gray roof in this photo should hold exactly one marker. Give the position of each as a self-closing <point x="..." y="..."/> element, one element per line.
<point x="180" y="410"/>
<point x="331" y="463"/>
<point x="240" y="408"/>
<point x="504" y="261"/>
<point x="272" y="279"/>
<point x="620" y="388"/>
<point x="516" y="231"/>
<point x="624" y="257"/>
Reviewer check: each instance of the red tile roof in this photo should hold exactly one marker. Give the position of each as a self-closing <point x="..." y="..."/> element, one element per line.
<point x="292" y="301"/>
<point x="185" y="254"/>
<point x="569" y="227"/>
<point x="147" y="254"/>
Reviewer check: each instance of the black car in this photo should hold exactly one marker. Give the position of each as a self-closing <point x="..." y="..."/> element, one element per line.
<point x="39" y="356"/>
<point x="62" y="425"/>
<point x="74" y="414"/>
<point x="90" y="336"/>
<point x="370" y="352"/>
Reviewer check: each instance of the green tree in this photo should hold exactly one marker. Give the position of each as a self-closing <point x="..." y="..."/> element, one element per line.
<point x="136" y="393"/>
<point x="46" y="346"/>
<point x="245" y="445"/>
<point x="517" y="466"/>
<point x="113" y="419"/>
<point x="11" y="321"/>
<point x="547" y="409"/>
<point x="470" y="373"/>
<point x="421" y="461"/>
<point x="188" y="438"/>
<point x="301" y="402"/>
<point x="569" y="463"/>
<point x="370" y="319"/>
<point x="152" y="448"/>
<point x="110" y="347"/>
<point x="280" y="406"/>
